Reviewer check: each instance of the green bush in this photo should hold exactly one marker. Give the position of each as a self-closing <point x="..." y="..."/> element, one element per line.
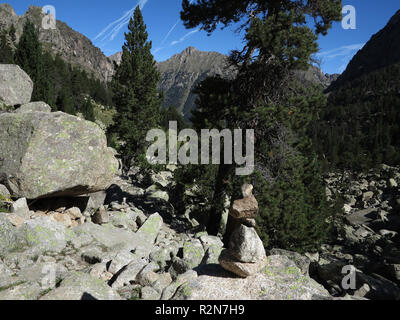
<point x="293" y="209"/>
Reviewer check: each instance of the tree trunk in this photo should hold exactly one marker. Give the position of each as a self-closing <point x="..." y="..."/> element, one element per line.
<point x="221" y="184"/>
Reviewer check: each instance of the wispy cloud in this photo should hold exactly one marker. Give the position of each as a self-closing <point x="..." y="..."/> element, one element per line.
<point x="112" y="30"/>
<point x="187" y="35"/>
<point x="342" y="54"/>
<point x="170" y="31"/>
<point x="175" y="42"/>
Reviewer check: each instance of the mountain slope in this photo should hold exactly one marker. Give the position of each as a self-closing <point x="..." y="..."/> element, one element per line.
<point x="382" y="50"/>
<point x="73" y="47"/>
<point x="182" y="72"/>
<point x="360" y="127"/>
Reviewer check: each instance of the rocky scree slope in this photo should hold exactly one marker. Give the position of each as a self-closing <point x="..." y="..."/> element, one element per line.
<point x="57" y="242"/>
<point x="367" y="234"/>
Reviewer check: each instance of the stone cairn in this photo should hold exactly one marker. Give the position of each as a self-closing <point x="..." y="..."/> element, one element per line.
<point x="245" y="255"/>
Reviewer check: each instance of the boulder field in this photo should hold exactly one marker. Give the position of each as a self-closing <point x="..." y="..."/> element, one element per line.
<point x="72" y="227"/>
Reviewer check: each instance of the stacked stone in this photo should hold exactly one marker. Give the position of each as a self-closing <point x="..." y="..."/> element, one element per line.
<point x="246" y="254"/>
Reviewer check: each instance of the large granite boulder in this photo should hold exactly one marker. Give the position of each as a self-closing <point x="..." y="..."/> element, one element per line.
<point x="15" y="85"/>
<point x="82" y="286"/>
<point x="45" y="235"/>
<point x="53" y="154"/>
<point x="34" y="107"/>
<point x="280" y="279"/>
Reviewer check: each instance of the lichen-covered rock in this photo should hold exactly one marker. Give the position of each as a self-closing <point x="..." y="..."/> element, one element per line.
<point x="34" y="107"/>
<point x="153" y="193"/>
<point x="149" y="293"/>
<point x="21" y="290"/>
<point x="53" y="154"/>
<point x="213" y="247"/>
<point x="163" y="178"/>
<point x="121" y="260"/>
<point x="193" y="253"/>
<point x="242" y="269"/>
<point x="162" y="256"/>
<point x="280" y="280"/>
<point x="15" y="85"/>
<point x="20" y="208"/>
<point x="150" y="229"/>
<point x="44" y="234"/>
<point x="4" y="191"/>
<point x="246" y="245"/>
<point x="170" y="290"/>
<point x="107" y="236"/>
<point x="129" y="273"/>
<point x="302" y="262"/>
<point x="10" y="239"/>
<point x="82" y="286"/>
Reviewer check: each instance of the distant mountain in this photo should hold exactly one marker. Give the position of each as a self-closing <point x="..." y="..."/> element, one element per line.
<point x="360" y="127"/>
<point x="73" y="47"/>
<point x="382" y="50"/>
<point x="116" y="57"/>
<point x="315" y="75"/>
<point x="182" y="72"/>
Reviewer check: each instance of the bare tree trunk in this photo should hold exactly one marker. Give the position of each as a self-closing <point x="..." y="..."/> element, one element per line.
<point x="218" y="202"/>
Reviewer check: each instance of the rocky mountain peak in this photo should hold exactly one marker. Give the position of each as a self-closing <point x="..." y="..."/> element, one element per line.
<point x="6" y="8"/>
<point x="73" y="47"/>
<point x="395" y="19"/>
<point x="382" y="50"/>
<point x="190" y="50"/>
<point x="117" y="57"/>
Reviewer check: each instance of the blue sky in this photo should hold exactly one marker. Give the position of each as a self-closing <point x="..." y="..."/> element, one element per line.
<point x="169" y="36"/>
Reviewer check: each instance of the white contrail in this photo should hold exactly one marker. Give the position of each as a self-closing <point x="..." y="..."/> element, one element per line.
<point x="342" y="54"/>
<point x="184" y="37"/>
<point x="170" y="31"/>
<point x="128" y="13"/>
<point x="111" y="31"/>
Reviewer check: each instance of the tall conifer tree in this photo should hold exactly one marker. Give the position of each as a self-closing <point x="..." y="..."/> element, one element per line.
<point x="136" y="97"/>
<point x="265" y="97"/>
<point x="29" y="57"/>
<point x="6" y="51"/>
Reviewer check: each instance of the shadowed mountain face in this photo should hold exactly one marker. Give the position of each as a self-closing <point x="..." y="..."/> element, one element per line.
<point x="181" y="73"/>
<point x="360" y="127"/>
<point x="73" y="47"/>
<point x="382" y="50"/>
<point x="184" y="71"/>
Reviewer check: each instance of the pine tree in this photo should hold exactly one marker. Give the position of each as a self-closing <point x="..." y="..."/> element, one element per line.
<point x="6" y="51"/>
<point x="29" y="57"/>
<point x="12" y="33"/>
<point x="265" y="98"/>
<point x="135" y="92"/>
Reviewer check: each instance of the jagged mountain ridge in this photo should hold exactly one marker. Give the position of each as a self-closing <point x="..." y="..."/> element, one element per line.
<point x="179" y="74"/>
<point x="382" y="50"/>
<point x="73" y="47"/>
<point x="182" y="72"/>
